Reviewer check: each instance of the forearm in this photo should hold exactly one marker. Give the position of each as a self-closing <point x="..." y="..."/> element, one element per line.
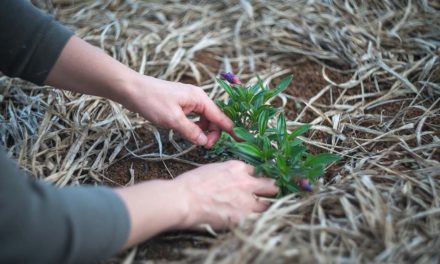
<point x="83" y="68"/>
<point x="154" y="207"/>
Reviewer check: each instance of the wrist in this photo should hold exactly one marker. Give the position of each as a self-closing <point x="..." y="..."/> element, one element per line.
<point x="123" y="87"/>
<point x="153" y="207"/>
<point x="182" y="205"/>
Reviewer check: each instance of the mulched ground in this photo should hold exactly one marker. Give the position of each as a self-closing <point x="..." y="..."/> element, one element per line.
<point x="308" y="81"/>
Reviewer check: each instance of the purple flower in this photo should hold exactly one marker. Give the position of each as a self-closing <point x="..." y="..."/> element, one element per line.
<point x="231" y="78"/>
<point x="305" y="185"/>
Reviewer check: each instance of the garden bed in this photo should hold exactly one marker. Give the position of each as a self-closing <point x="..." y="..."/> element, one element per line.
<point x="366" y="76"/>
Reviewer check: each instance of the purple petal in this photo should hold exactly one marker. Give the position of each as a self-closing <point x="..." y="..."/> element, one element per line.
<point x="230" y="77"/>
<point x="305" y="185"/>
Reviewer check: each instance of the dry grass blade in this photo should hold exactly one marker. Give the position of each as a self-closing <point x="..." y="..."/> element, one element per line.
<point x="381" y="204"/>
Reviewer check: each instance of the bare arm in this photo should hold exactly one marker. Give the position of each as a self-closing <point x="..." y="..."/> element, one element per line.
<point x="216" y="194"/>
<point x="84" y="68"/>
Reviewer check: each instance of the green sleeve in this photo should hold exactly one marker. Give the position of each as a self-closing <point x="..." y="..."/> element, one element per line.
<point x="40" y="223"/>
<point x="30" y="41"/>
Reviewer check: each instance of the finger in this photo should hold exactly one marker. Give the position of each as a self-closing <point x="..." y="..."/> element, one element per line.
<point x="212" y="113"/>
<point x="203" y="123"/>
<point x="213" y="135"/>
<point x="260" y="206"/>
<point x="190" y="131"/>
<point x="265" y="187"/>
<point x="250" y="169"/>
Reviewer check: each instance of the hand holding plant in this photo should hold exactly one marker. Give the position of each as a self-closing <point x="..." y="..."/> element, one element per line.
<point x="273" y="151"/>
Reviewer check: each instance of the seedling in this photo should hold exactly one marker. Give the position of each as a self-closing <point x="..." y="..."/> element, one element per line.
<point x="273" y="151"/>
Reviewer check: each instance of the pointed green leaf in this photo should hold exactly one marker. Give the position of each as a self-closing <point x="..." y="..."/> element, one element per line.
<point x="295" y="142"/>
<point x="292" y="187"/>
<point x="296" y="152"/>
<point x="226" y="87"/>
<point x="249" y="149"/>
<point x="261" y="83"/>
<point x="242" y="93"/>
<point x="315" y="172"/>
<point x="283" y="84"/>
<point x="230" y="112"/>
<point x="321" y="159"/>
<point x="281" y="163"/>
<point x="220" y="104"/>
<point x="249" y="159"/>
<point x="299" y="131"/>
<point x="254" y="88"/>
<point x="243" y="134"/>
<point x="263" y="118"/>
<point x="281" y="128"/>
<point x="281" y="123"/>
<point x="258" y="99"/>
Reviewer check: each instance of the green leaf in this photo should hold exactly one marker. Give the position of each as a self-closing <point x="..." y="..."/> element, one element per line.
<point x="292" y="187"/>
<point x="230" y="112"/>
<point x="243" y="134"/>
<point x="320" y="159"/>
<point x="242" y="93"/>
<point x="315" y="172"/>
<point x="249" y="149"/>
<point x="281" y="124"/>
<point x="226" y="87"/>
<point x="263" y="118"/>
<point x="281" y="163"/>
<point x="220" y="104"/>
<point x="296" y="152"/>
<point x="254" y="88"/>
<point x="261" y="83"/>
<point x="281" y="128"/>
<point x="286" y="147"/>
<point x="295" y="142"/>
<point x="249" y="159"/>
<point x="258" y="99"/>
<point x="299" y="131"/>
<point x="283" y="84"/>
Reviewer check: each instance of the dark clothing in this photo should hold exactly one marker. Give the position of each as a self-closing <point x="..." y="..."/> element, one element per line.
<point x="30" y="41"/>
<point x="40" y="223"/>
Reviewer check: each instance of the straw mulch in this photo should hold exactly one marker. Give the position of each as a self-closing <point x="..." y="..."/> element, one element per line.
<point x="380" y="204"/>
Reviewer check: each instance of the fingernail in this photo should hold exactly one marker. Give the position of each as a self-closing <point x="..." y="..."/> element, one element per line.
<point x="202" y="139"/>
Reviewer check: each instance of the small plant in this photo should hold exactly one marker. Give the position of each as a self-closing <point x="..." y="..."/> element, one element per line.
<point x="271" y="149"/>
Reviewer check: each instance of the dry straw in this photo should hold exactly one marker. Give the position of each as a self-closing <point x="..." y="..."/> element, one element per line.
<point x="381" y="204"/>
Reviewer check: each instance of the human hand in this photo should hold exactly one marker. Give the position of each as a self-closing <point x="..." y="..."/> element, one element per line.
<point x="86" y="69"/>
<point x="167" y="103"/>
<point x="221" y="194"/>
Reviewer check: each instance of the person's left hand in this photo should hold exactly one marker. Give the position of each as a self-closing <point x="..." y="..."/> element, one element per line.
<point x="167" y="103"/>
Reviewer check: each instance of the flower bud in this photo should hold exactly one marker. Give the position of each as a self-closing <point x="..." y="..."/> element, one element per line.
<point x="305" y="185"/>
<point x="231" y="78"/>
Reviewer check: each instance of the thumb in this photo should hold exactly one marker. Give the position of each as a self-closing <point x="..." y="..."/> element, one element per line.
<point x="190" y="131"/>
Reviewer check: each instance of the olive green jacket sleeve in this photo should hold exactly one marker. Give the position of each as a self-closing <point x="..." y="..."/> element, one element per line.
<point x="40" y="223"/>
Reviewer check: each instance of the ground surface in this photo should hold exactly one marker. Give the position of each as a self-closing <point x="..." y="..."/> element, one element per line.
<point x="308" y="81"/>
<point x="366" y="76"/>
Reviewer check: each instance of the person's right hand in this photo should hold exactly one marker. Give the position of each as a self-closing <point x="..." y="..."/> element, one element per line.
<point x="217" y="194"/>
<point x="222" y="194"/>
